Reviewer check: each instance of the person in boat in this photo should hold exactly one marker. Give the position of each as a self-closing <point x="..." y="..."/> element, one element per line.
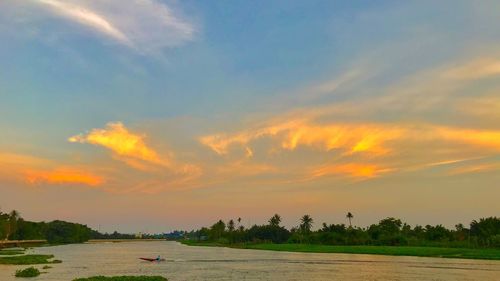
<point x="158" y="258"/>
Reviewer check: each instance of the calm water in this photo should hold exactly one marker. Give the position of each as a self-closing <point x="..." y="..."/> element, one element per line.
<point x="206" y="263"/>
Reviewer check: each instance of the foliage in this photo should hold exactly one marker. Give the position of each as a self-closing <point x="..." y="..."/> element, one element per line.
<point x="390" y="231"/>
<point x="14" y="227"/>
<point x="28" y="259"/>
<point x="11" y="252"/>
<point x="123" y="278"/>
<point x="492" y="254"/>
<point x="115" y="235"/>
<point x="28" y="272"/>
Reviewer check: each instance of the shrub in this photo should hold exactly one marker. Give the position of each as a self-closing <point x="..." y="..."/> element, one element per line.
<point x="28" y="272"/>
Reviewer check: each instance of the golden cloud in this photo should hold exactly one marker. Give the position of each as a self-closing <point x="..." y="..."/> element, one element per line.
<point x="352" y="138"/>
<point x="355" y="170"/>
<point x="480" y="138"/>
<point x="124" y="143"/>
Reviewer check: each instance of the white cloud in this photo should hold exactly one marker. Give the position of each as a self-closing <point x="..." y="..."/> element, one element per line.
<point x="147" y="26"/>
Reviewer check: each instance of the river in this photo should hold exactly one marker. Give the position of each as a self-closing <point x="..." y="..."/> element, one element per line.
<point x="185" y="263"/>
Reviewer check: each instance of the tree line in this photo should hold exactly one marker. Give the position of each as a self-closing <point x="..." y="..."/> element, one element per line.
<point x="14" y="227"/>
<point x="390" y="231"/>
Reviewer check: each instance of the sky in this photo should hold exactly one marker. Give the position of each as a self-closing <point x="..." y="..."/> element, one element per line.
<point x="156" y="115"/>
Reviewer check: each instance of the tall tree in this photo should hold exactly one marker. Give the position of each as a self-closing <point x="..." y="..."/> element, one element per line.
<point x="306" y="223"/>
<point x="231" y="225"/>
<point x="349" y="216"/>
<point x="275" y="220"/>
<point x="12" y="225"/>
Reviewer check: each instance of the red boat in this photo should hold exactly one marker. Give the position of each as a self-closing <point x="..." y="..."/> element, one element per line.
<point x="154" y="259"/>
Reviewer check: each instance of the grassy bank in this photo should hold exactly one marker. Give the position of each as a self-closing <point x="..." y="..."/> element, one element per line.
<point x="28" y="259"/>
<point x="464" y="253"/>
<point x="123" y="278"/>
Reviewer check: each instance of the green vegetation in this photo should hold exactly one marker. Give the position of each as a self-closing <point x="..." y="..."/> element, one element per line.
<point x="28" y="259"/>
<point x="123" y="278"/>
<point x="481" y="240"/>
<point x="464" y="253"/>
<point x="14" y="227"/>
<point x="28" y="272"/>
<point x="493" y="254"/>
<point x="11" y="252"/>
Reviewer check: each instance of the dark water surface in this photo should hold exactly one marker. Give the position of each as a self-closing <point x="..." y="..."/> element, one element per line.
<point x="208" y="263"/>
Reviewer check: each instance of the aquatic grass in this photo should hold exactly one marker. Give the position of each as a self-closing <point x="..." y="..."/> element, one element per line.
<point x="28" y="272"/>
<point x="463" y="253"/>
<point x="28" y="259"/>
<point x="11" y="252"/>
<point x="123" y="278"/>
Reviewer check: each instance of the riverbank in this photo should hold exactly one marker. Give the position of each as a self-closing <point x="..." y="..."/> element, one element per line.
<point x="461" y="253"/>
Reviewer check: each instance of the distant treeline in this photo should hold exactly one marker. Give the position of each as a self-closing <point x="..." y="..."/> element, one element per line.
<point x="14" y="227"/>
<point x="484" y="232"/>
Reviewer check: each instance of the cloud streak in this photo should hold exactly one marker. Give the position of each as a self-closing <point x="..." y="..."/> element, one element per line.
<point x="63" y="175"/>
<point x="39" y="171"/>
<point x="147" y="26"/>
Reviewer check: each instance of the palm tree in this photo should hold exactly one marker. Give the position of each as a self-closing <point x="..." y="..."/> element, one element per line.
<point x="230" y="225"/>
<point x="12" y="224"/>
<point x="306" y="223"/>
<point x="275" y="220"/>
<point x="349" y="216"/>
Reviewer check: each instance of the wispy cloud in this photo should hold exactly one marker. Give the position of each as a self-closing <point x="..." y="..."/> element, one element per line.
<point x="145" y="25"/>
<point x="475" y="69"/>
<point x="349" y="137"/>
<point x="355" y="170"/>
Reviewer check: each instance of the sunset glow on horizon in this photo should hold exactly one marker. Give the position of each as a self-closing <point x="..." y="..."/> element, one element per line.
<point x="170" y="115"/>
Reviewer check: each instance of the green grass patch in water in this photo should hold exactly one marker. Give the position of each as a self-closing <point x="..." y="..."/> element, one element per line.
<point x="28" y="259"/>
<point x="11" y="252"/>
<point x="28" y="272"/>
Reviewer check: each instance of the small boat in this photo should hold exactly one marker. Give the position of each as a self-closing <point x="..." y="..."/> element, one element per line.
<point x="152" y="259"/>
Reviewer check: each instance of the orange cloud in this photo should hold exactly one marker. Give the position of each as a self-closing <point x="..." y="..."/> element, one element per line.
<point x="120" y="140"/>
<point x="354" y="170"/>
<point x="63" y="176"/>
<point x="352" y="138"/>
<point x="34" y="170"/>
<point x="481" y="138"/>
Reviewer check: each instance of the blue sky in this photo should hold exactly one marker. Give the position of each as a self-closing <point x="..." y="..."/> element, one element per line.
<point x="324" y="106"/>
